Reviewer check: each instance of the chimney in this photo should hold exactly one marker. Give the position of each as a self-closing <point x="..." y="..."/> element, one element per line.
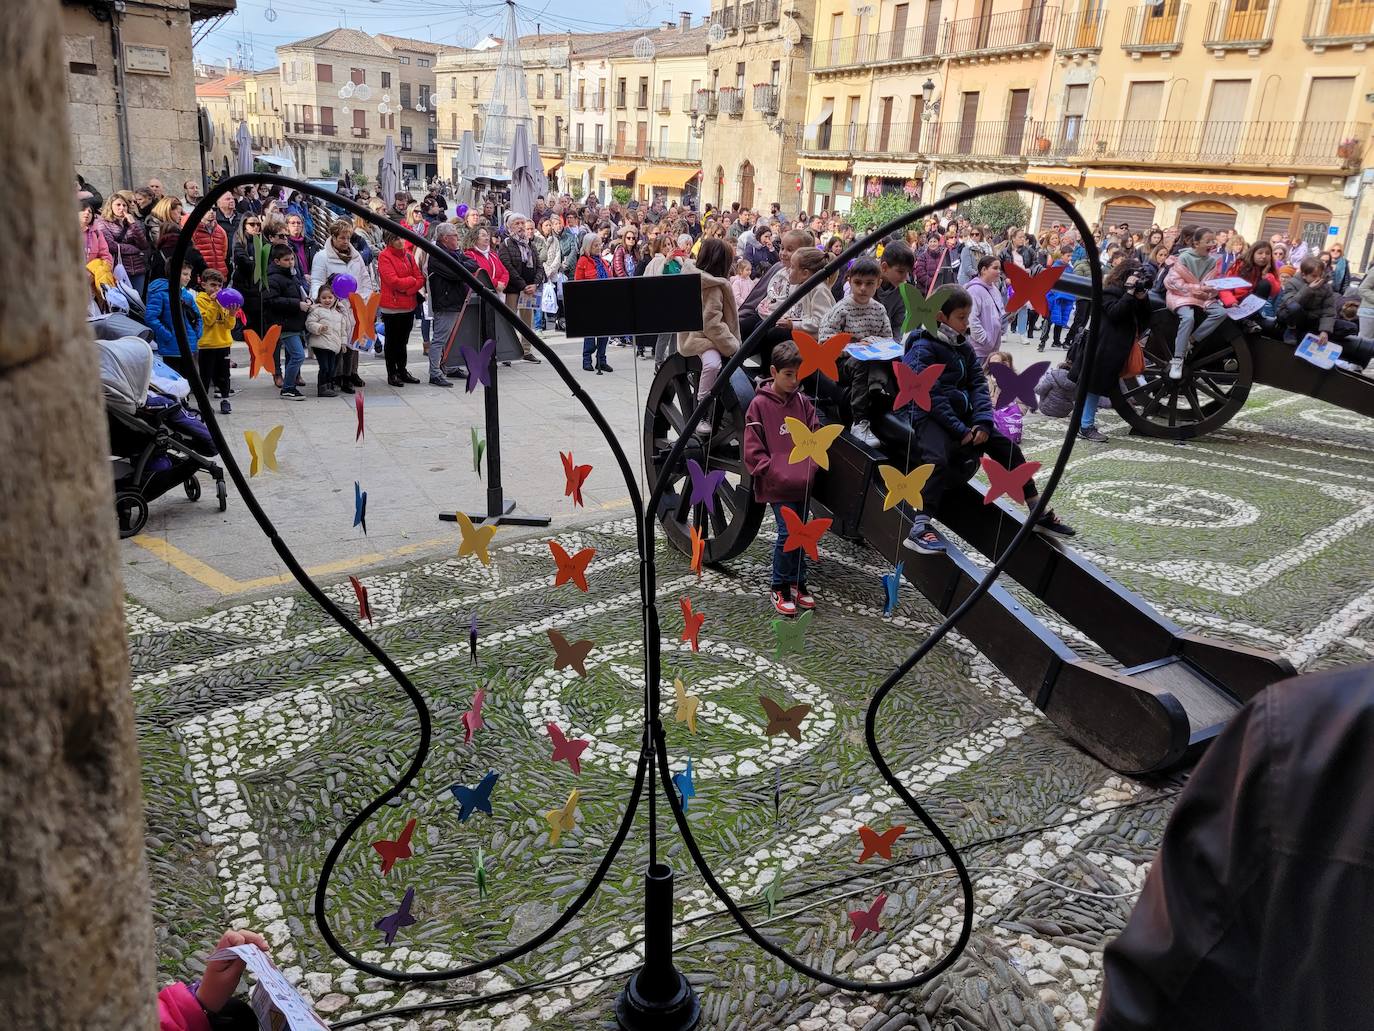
<point x="686" y="23"/>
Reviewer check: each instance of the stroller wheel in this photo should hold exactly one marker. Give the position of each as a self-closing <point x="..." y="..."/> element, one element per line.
<point x="192" y="487"/>
<point x="222" y="492"/>
<point x="132" y="511"/>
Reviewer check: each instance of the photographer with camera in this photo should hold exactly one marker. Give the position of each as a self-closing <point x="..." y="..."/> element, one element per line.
<point x="1125" y="319"/>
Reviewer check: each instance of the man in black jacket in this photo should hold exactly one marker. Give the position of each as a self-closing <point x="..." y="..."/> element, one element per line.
<point x="285" y="303"/>
<point x="447" y="295"/>
<point x="526" y="276"/>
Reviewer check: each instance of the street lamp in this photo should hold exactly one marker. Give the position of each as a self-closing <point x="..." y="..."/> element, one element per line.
<point x="927" y="90"/>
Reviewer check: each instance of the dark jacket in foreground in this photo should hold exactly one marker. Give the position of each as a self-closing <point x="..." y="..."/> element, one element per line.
<point x="447" y="292"/>
<point x="1255" y="915"/>
<point x="1124" y="317"/>
<point x="959" y="400"/>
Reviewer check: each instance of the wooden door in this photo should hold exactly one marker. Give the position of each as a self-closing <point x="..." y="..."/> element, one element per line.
<point x="1245" y="19"/>
<point x="1085" y="32"/>
<point x="1225" y="119"/>
<point x="885" y="124"/>
<point x="1015" y="136"/>
<point x="620" y="137"/>
<point x="1160" y="22"/>
<point x="1323" y="124"/>
<point x="641" y="139"/>
<point x="897" y="46"/>
<point x="968" y="123"/>
<point x="918" y="106"/>
<point x="1350" y="18"/>
<point x="930" y="42"/>
<point x="746" y="185"/>
<point x="982" y="24"/>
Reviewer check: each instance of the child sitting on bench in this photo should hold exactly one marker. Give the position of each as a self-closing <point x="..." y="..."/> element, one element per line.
<point x="960" y="422"/>
<point x="864" y="319"/>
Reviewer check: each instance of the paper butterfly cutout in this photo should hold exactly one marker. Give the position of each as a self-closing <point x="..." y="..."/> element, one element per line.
<point x="262" y="351"/>
<point x="479" y="447"/>
<point x="565" y="654"/>
<point x="686" y="787"/>
<point x="921" y="310"/>
<point x="564" y="819"/>
<point x="478" y="363"/>
<point x="687" y="705"/>
<point x="364" y="610"/>
<point x="476" y="539"/>
<point x="820" y="357"/>
<point x="804" y="535"/>
<point x="394" y="851"/>
<point x="479" y="869"/>
<point x="472" y="719"/>
<point x="1011" y="482"/>
<point x="358" y="404"/>
<point x="1032" y="289"/>
<point x="914" y="387"/>
<point x="902" y="486"/>
<point x="576" y="477"/>
<point x="770" y="893"/>
<point x="876" y="844"/>
<point x="391" y="925"/>
<point x="792" y="632"/>
<point x="784" y="721"/>
<point x="571" y="569"/>
<point x="892" y="583"/>
<point x="566" y="748"/>
<point x="866" y="920"/>
<point x="698" y="549"/>
<point x="691" y="624"/>
<point x="704" y="485"/>
<point x="1017" y="386"/>
<point x="359" y="507"/>
<point x="263" y="449"/>
<point x="472" y="638"/>
<point x="364" y="319"/>
<point x="471" y="800"/>
<point x="814" y="445"/>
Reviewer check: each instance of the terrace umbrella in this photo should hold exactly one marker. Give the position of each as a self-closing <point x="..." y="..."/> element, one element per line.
<point x="522" y="182"/>
<point x="536" y="167"/>
<point x="389" y="172"/>
<point x="467" y="167"/>
<point x="243" y="160"/>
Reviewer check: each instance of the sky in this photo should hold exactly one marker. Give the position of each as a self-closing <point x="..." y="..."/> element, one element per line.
<point x="252" y="31"/>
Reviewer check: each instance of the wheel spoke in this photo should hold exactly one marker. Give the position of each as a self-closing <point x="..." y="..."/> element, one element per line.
<point x="1205" y="384"/>
<point x="1193" y="399"/>
<point x="719" y="523"/>
<point x="1147" y="385"/>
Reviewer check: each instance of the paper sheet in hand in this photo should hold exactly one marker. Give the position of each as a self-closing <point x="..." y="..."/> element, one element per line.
<point x="1229" y="283"/>
<point x="273" y="997"/>
<point x="1245" y="307"/>
<point x="875" y="350"/>
<point x="1323" y="356"/>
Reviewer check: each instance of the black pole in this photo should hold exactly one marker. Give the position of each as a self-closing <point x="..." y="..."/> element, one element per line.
<point x="658" y="997"/>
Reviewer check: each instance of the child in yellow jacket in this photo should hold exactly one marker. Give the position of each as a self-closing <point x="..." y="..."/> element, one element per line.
<point x="217" y="321"/>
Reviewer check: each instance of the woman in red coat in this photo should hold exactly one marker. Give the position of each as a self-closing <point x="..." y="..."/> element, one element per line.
<point x="591" y="266"/>
<point x="213" y="244"/>
<point x="479" y="250"/>
<point x="401" y="284"/>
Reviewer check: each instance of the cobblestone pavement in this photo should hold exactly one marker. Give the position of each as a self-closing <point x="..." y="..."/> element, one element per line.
<point x="263" y="728"/>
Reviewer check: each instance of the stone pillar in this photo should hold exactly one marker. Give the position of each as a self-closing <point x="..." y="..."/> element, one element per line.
<point x="76" y="937"/>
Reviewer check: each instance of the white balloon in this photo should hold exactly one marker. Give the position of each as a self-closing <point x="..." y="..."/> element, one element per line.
<point x="716" y="33"/>
<point x="386" y="98"/>
<point x="345" y="109"/>
<point x="362" y="91"/>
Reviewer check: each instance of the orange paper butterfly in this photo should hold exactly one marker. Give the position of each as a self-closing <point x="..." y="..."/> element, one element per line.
<point x="819" y="357"/>
<point x="698" y="549"/>
<point x="364" y="318"/>
<point x="262" y="351"/>
<point x="571" y="568"/>
<point x="691" y="625"/>
<point x="803" y="535"/>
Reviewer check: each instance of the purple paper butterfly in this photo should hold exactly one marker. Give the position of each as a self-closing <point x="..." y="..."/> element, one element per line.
<point x="390" y="925"/>
<point x="705" y="485"/>
<point x="478" y="363"/>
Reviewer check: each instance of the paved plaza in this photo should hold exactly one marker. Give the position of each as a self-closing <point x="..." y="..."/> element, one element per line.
<point x="264" y="727"/>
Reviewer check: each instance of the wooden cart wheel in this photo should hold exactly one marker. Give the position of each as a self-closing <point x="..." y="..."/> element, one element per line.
<point x="1215" y="384"/>
<point x="735" y="522"/>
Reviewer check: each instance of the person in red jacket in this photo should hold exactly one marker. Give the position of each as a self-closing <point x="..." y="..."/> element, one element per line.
<point x="777" y="480"/>
<point x="401" y="284"/>
<point x="210" y="1001"/>
<point x="213" y="244"/>
<point x="479" y="250"/>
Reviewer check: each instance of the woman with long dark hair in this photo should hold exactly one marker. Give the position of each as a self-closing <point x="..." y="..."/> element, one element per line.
<point x="1125" y="316"/>
<point x="718" y="339"/>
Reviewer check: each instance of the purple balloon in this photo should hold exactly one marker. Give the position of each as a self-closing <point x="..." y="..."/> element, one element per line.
<point x="461" y="211"/>
<point x="343" y="285"/>
<point x="229" y="298"/>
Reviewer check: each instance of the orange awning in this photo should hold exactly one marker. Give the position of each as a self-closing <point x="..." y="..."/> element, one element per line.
<point x="1163" y="182"/>
<point x="824" y="165"/>
<point x="618" y="171"/>
<point x="1055" y="176"/>
<point x="667" y="178"/>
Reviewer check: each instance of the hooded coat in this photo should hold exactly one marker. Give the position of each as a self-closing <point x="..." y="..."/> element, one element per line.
<point x="160" y="312"/>
<point x="768" y="444"/>
<point x="719" y="320"/>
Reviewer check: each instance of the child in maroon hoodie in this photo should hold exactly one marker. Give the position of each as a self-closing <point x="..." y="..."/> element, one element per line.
<point x="779" y="483"/>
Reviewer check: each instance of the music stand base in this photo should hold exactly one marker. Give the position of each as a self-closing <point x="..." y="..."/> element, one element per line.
<point x="502" y="517"/>
<point x="658" y="997"/>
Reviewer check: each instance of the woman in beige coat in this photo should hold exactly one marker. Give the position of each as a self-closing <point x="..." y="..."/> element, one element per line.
<point x="718" y="338"/>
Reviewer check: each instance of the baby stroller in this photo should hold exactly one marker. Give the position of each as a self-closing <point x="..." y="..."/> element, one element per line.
<point x="155" y="440"/>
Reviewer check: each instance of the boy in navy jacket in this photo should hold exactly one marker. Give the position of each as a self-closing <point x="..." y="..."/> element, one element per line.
<point x="959" y="424"/>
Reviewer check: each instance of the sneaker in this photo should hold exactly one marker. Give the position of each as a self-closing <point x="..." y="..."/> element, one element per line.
<point x="803" y="598"/>
<point x="406" y="377"/>
<point x="782" y="604"/>
<point x="1051" y="523"/>
<point x="588" y="367"/>
<point x="923" y="538"/>
<point x="225" y="408"/>
<point x="863" y="433"/>
<point x="532" y="358"/>
<point x="1094" y="434"/>
<point x="292" y="394"/>
<point x="603" y="367"/>
<point x="1040" y="346"/>
<point x="1175" y="368"/>
<point x="395" y="381"/>
<point x="324" y="392"/>
<point x="439" y="381"/>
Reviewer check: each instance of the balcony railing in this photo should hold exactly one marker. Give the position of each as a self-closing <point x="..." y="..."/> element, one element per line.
<point x="1155" y="29"/>
<point x="768" y="12"/>
<point x="1229" y="27"/>
<point x="1285" y="146"/>
<point x="642" y="101"/>
<point x="359" y="132"/>
<point x="1080" y="30"/>
<point x="702" y="102"/>
<point x="726" y="18"/>
<point x="665" y="104"/>
<point x="312" y="129"/>
<point x="620" y="99"/>
<point x="992" y="141"/>
<point x="1028" y="29"/>
<point x="766" y="99"/>
<point x="913" y="45"/>
<point x="748" y="14"/>
<point x="634" y="150"/>
<point x="731" y="101"/>
<point x="1338" y="23"/>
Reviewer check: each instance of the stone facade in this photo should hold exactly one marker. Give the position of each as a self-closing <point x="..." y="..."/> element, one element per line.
<point x="417" y="103"/>
<point x="162" y="134"/>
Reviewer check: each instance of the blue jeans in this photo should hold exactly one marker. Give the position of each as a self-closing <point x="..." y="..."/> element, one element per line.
<point x="1023" y="320"/>
<point x="1090" y="404"/>
<point x="295" y="358"/>
<point x="594" y="346"/>
<point x="789" y="567"/>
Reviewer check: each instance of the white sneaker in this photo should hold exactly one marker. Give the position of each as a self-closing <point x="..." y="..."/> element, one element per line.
<point x="863" y="433"/>
<point x="1175" y="368"/>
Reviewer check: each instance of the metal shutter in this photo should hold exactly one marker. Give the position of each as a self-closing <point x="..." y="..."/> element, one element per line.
<point x="1051" y="214"/>
<point x="1140" y="214"/>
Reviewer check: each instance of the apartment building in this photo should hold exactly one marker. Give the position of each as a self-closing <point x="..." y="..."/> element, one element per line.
<point x="222" y="100"/>
<point x="417" y="69"/>
<point x="1243" y="114"/>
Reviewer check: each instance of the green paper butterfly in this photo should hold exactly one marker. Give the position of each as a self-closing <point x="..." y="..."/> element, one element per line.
<point x="481" y="874"/>
<point x="770" y="893"/>
<point x="792" y="632"/>
<point x="479" y="448"/>
<point x="921" y="310"/>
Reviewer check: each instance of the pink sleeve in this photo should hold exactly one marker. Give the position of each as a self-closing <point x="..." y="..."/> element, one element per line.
<point x="178" y="1010"/>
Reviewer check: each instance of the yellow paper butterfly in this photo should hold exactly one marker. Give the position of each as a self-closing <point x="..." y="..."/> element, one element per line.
<point x="564" y="819"/>
<point x="263" y="449"/>
<point x="686" y="705"/>
<point x="476" y="539"/>
<point x="904" y="486"/>
<point x="814" y="445"/>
